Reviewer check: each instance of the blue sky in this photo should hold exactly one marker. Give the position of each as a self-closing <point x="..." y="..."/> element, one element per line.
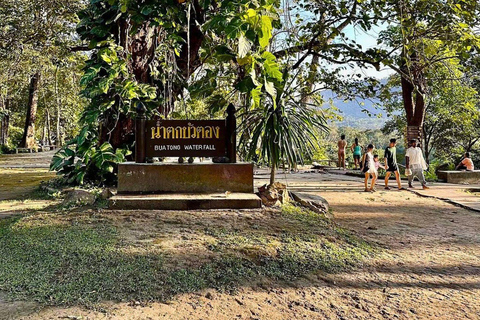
<point x="367" y="40"/>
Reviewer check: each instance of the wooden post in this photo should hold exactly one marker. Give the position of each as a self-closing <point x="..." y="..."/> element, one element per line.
<point x="140" y="134"/>
<point x="231" y="134"/>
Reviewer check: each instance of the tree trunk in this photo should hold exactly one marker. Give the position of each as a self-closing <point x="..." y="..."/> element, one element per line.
<point x="4" y="121"/>
<point x="44" y="133"/>
<point x="141" y="46"/>
<point x="310" y="81"/>
<point x="4" y="129"/>
<point x="28" y="139"/>
<point x="49" y="132"/>
<point x="426" y="145"/>
<point x="118" y="132"/>
<point x="59" y="140"/>
<point x="413" y="93"/>
<point x="272" y="174"/>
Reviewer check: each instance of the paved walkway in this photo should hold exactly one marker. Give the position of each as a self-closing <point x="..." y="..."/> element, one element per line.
<point x="26" y="160"/>
<point x="338" y="181"/>
<point x="466" y="196"/>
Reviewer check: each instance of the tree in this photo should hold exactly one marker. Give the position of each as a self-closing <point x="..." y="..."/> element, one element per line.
<point x="281" y="128"/>
<point x="28" y="139"/>
<point x="451" y="124"/>
<point x="421" y="24"/>
<point x="146" y="53"/>
<point x="32" y="34"/>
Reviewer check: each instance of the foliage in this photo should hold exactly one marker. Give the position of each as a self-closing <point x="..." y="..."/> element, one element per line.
<point x="283" y="129"/>
<point x="79" y="160"/>
<point x="427" y="33"/>
<point x="39" y="37"/>
<point x="452" y="122"/>
<point x="116" y="79"/>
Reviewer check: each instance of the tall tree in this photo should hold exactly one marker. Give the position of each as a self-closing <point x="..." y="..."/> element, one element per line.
<point x="28" y="139"/>
<point x="31" y="34"/>
<point x="419" y="23"/>
<point x="452" y="118"/>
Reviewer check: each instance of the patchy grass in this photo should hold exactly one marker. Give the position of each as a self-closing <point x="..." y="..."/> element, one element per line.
<point x="19" y="183"/>
<point x="89" y="256"/>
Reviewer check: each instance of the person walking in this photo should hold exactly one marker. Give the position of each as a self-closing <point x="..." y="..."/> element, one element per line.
<point x="357" y="153"/>
<point x="342" y="144"/>
<point x="416" y="164"/>
<point x="368" y="165"/>
<point x="391" y="164"/>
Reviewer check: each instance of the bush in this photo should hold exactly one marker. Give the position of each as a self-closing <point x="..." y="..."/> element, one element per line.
<point x="81" y="160"/>
<point x="6" y="149"/>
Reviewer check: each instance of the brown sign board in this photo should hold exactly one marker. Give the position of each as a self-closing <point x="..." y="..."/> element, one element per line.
<point x="185" y="138"/>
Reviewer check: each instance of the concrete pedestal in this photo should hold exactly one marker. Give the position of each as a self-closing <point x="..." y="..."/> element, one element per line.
<point x="185" y="186"/>
<point x="147" y="178"/>
<point x="185" y="201"/>
<point x="459" y="177"/>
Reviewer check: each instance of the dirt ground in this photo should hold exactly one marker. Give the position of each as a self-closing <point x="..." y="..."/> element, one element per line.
<point x="430" y="269"/>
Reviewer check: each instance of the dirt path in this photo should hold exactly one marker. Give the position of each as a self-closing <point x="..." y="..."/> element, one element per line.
<point x="433" y="263"/>
<point x="26" y="160"/>
<point x="429" y="268"/>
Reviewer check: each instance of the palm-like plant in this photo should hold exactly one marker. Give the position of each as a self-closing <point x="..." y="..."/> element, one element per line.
<point x="284" y="128"/>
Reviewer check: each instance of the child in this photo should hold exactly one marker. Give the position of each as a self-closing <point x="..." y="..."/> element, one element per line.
<point x="377" y="163"/>
<point x="368" y="165"/>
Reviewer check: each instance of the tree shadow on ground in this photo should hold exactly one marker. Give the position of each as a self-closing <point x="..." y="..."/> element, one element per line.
<point x="85" y="257"/>
<point x="88" y="256"/>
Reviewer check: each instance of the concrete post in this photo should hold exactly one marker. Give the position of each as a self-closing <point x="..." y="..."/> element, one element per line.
<point x="231" y="134"/>
<point x="140" y="134"/>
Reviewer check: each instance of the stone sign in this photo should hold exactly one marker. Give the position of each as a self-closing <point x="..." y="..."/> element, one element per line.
<point x="185" y="138"/>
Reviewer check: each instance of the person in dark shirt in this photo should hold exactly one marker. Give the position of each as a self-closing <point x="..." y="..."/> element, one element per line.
<point x="391" y="164"/>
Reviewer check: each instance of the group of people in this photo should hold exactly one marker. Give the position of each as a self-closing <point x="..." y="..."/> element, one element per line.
<point x="369" y="163"/>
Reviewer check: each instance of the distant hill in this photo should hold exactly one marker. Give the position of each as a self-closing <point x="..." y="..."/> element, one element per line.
<point x="362" y="114"/>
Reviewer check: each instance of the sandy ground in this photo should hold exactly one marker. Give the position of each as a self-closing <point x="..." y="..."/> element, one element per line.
<point x="430" y="269"/>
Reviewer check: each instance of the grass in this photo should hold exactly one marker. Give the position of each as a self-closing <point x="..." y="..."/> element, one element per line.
<point x="87" y="257"/>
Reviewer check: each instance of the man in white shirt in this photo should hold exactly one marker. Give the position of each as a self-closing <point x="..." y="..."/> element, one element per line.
<point x="416" y="164"/>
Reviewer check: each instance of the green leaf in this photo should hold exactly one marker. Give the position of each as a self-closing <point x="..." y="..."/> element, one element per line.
<point x="266" y="31"/>
<point x="271" y="66"/>
<point x="270" y="88"/>
<point x="244" y="46"/>
<point x="256" y="94"/>
<point x="233" y="29"/>
<point x="106" y="147"/>
<point x="246" y="85"/>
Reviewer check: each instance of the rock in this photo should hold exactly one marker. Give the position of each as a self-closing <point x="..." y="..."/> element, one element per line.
<point x="78" y="197"/>
<point x="273" y="195"/>
<point x="209" y="295"/>
<point x="313" y="202"/>
<point x="48" y="189"/>
<point x="107" y="193"/>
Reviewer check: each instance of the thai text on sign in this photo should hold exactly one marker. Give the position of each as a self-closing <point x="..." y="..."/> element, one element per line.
<point x="191" y="131"/>
<point x="185" y="138"/>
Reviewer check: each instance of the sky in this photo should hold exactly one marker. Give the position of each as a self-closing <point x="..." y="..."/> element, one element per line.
<point x="367" y="40"/>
